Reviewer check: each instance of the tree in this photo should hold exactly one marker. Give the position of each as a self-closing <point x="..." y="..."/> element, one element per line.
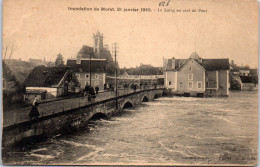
<point x="110" y="62"/>
<point x="235" y="84"/>
<point x="59" y="60"/>
<point x="8" y="50"/>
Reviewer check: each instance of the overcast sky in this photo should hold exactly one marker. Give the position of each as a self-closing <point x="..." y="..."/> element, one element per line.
<point x="43" y="28"/>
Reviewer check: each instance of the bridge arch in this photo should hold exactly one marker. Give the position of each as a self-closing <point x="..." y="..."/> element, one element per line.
<point x="155" y="96"/>
<point x="145" y="99"/>
<point x="163" y="94"/>
<point x="98" y="115"/>
<point x="127" y="103"/>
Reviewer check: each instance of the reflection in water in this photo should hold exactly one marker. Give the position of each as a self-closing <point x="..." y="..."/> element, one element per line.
<point x="176" y="130"/>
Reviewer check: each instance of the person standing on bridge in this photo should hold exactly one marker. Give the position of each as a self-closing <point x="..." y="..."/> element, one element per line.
<point x="87" y="88"/>
<point x="141" y="85"/>
<point x="34" y="111"/>
<point x="96" y="89"/>
<point x="111" y="87"/>
<point x="105" y="86"/>
<point x="89" y="98"/>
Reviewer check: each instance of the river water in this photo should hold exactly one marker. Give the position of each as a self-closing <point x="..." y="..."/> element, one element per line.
<point x="166" y="131"/>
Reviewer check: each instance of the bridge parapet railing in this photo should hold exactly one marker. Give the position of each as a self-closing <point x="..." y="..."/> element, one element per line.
<point x="57" y="106"/>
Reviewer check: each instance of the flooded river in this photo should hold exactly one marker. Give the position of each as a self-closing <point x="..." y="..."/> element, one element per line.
<point x="167" y="131"/>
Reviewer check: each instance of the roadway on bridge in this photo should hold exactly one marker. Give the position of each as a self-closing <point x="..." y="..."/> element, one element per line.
<point x="48" y="108"/>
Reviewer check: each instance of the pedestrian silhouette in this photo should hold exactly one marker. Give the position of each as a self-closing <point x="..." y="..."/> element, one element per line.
<point x="34" y="113"/>
<point x="89" y="97"/>
<point x="96" y="89"/>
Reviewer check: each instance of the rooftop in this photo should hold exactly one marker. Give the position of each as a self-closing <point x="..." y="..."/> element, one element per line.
<point x="207" y="64"/>
<point x="215" y="64"/>
<point x="42" y="76"/>
<point x="97" y="65"/>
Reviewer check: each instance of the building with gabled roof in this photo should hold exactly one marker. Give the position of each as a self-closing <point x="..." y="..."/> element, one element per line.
<point x="97" y="72"/>
<point x="47" y="82"/>
<point x="196" y="76"/>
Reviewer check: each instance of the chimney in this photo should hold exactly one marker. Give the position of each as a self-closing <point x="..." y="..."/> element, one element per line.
<point x="173" y="63"/>
<point x="165" y="62"/>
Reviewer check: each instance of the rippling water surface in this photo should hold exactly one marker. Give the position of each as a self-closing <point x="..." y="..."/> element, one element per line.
<point x="169" y="130"/>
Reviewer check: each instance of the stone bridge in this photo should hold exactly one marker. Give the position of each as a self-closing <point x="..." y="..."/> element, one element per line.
<point x="67" y="120"/>
<point x="110" y="106"/>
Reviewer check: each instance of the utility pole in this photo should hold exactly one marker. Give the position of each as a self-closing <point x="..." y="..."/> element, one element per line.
<point x="115" y="48"/>
<point x="90" y="54"/>
<point x="140" y="71"/>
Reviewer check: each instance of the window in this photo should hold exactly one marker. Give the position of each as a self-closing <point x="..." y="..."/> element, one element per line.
<point x="170" y="82"/>
<point x="87" y="75"/>
<point x="190" y="68"/>
<point x="207" y="84"/>
<point x="190" y="85"/>
<point x="78" y="61"/>
<point x="96" y="76"/>
<point x="181" y="84"/>
<point x="199" y="85"/>
<point x="190" y="76"/>
<point x="86" y="83"/>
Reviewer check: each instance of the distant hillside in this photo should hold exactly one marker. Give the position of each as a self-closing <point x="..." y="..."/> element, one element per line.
<point x="20" y="69"/>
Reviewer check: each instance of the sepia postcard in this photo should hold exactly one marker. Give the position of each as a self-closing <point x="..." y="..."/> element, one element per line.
<point x="130" y="82"/>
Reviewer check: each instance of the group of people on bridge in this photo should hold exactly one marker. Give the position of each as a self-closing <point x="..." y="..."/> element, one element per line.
<point x="90" y="92"/>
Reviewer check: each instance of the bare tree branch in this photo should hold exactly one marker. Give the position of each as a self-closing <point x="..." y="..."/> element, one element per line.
<point x="6" y="48"/>
<point x="9" y="50"/>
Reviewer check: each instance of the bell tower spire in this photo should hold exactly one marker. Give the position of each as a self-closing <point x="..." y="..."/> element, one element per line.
<point x="98" y="43"/>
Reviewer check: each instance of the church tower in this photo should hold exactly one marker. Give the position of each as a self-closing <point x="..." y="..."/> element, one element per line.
<point x="98" y="43"/>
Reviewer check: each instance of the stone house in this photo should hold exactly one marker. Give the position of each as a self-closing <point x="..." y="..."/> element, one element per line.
<point x="81" y="68"/>
<point x="196" y="76"/>
<point x="49" y="82"/>
<point x="88" y="57"/>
